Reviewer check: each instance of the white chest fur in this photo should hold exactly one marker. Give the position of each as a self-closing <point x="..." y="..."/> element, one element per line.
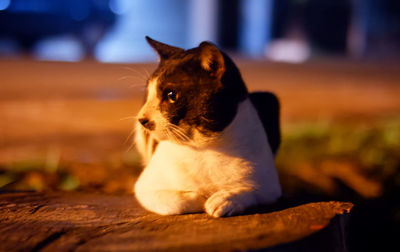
<point x="232" y="172"/>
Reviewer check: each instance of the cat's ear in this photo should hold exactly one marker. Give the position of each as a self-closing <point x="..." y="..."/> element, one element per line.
<point x="211" y="59"/>
<point x="163" y="50"/>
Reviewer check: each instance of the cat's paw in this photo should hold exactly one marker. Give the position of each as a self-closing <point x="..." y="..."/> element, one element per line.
<point x="170" y="202"/>
<point x="223" y="203"/>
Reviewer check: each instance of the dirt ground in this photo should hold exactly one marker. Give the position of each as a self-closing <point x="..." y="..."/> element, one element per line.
<point x="82" y="114"/>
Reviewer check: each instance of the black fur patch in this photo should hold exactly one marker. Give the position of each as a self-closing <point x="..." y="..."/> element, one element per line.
<point x="205" y="100"/>
<point x="267" y="106"/>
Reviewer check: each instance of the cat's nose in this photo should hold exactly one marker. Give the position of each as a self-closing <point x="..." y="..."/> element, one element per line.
<point x="143" y="121"/>
<point x="147" y="123"/>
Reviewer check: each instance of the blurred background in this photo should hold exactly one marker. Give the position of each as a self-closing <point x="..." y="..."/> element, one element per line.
<point x="113" y="30"/>
<point x="67" y="114"/>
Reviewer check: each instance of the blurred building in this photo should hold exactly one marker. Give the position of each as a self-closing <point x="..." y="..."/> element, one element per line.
<point x="283" y="30"/>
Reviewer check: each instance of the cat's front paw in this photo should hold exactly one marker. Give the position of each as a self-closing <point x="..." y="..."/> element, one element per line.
<point x="224" y="203"/>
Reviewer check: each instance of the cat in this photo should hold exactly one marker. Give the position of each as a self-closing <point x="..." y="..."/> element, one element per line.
<point x="206" y="143"/>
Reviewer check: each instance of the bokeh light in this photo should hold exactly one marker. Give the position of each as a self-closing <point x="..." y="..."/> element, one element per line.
<point x="4" y="4"/>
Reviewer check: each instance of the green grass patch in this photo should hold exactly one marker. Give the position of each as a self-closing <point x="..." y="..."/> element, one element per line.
<point x="372" y="146"/>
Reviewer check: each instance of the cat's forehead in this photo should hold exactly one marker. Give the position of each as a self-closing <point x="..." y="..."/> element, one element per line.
<point x="176" y="71"/>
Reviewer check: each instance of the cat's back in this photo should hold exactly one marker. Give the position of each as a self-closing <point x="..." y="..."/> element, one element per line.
<point x="268" y="110"/>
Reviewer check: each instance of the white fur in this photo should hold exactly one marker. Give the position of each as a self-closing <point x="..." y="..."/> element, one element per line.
<point x="149" y="110"/>
<point x="224" y="177"/>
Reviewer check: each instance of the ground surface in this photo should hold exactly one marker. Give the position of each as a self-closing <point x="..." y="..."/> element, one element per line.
<point x="80" y="114"/>
<point x="94" y="222"/>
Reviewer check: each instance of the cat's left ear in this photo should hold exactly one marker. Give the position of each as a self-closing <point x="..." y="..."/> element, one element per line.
<point x="163" y="50"/>
<point x="211" y="59"/>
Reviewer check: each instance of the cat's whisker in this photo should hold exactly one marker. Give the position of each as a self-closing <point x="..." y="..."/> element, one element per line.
<point x="128" y="118"/>
<point x="178" y="138"/>
<point x="141" y="80"/>
<point x="143" y="86"/>
<point x="130" y="136"/>
<point x="147" y="73"/>
<point x="129" y="77"/>
<point x="144" y="76"/>
<point x="132" y="133"/>
<point x="171" y="134"/>
<point x="134" y="129"/>
<point x="178" y="132"/>
<point x="133" y="144"/>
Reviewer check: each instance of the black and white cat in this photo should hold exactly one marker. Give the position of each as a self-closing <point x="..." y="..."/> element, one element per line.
<point x="207" y="144"/>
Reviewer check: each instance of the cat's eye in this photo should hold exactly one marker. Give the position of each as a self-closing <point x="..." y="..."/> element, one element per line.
<point x="172" y="96"/>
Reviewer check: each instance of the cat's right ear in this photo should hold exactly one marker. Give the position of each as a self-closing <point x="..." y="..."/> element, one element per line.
<point x="211" y="59"/>
<point x="163" y="50"/>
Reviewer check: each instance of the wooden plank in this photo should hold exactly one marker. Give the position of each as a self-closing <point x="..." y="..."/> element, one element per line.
<point x="90" y="221"/>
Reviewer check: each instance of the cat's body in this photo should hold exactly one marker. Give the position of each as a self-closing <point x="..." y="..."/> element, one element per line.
<point x="214" y="156"/>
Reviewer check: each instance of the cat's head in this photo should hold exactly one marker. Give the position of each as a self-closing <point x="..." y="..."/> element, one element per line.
<point x="192" y="95"/>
